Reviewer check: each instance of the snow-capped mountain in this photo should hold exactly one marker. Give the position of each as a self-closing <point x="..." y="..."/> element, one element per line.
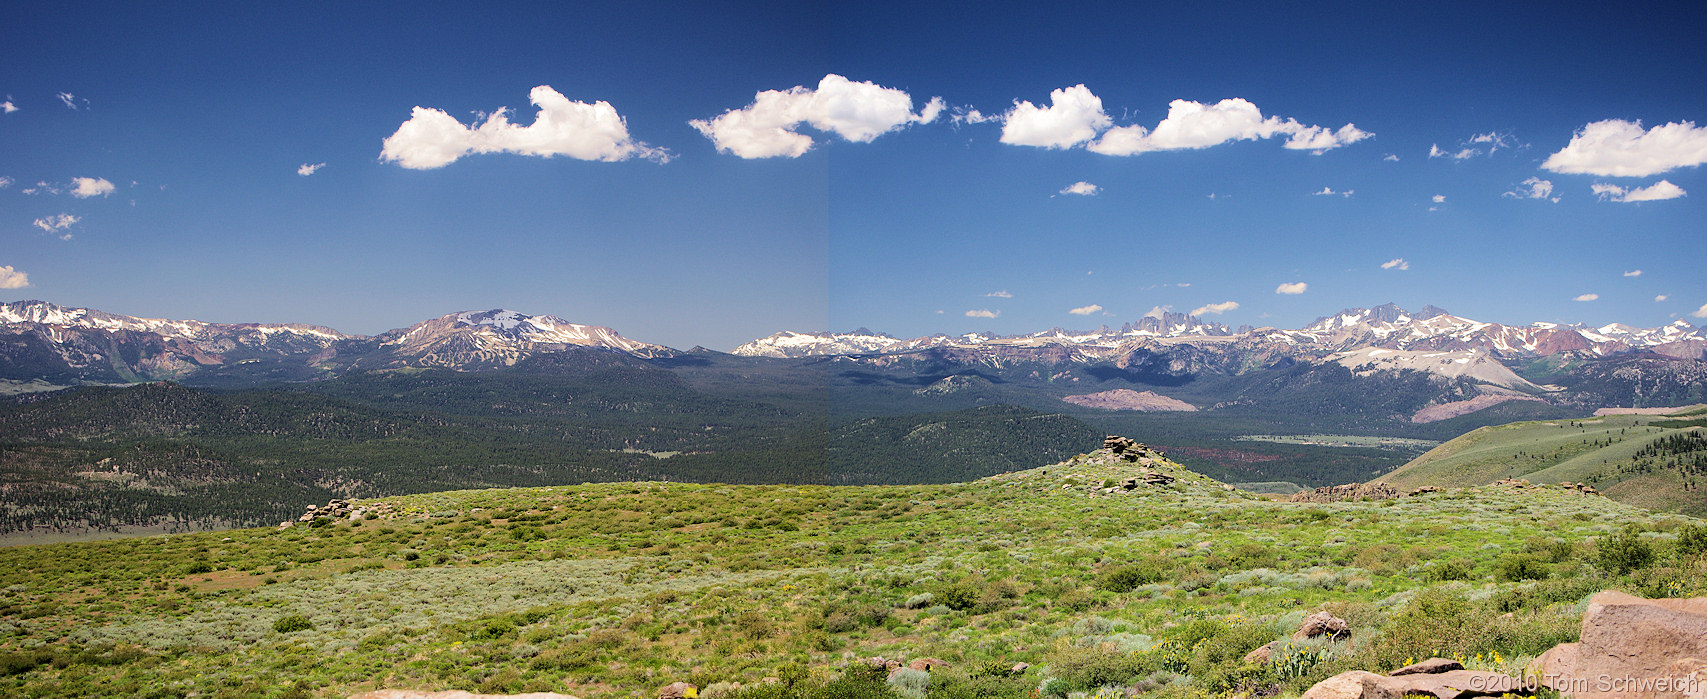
<point x="1385" y="327"/>
<point x="74" y="345"/>
<point x="216" y="336"/>
<point x="798" y="344"/>
<point x="500" y="337"/>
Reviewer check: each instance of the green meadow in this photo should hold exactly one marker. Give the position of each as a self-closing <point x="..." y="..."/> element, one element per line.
<point x="615" y="589"/>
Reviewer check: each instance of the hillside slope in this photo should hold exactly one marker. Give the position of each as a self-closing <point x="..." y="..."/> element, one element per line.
<point x="1651" y="461"/>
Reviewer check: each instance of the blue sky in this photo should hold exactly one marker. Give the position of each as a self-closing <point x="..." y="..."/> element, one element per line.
<point x="152" y="161"/>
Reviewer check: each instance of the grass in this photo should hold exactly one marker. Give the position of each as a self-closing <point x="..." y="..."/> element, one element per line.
<point x="1601" y="451"/>
<point x="616" y="589"/>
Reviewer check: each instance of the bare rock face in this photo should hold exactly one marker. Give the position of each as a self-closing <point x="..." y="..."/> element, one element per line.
<point x="1128" y="399"/>
<point x="1632" y="647"/>
<point x="453" y="694"/>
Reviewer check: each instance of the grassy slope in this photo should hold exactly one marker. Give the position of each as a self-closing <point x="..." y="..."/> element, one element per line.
<point x="607" y="590"/>
<point x="1601" y="451"/>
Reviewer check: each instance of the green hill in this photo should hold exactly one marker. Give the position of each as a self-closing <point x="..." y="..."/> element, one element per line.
<point x="616" y="589"/>
<point x="1657" y="462"/>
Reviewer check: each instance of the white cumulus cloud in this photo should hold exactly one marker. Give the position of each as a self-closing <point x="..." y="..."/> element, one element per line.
<point x="6" y="181"/>
<point x="1700" y="312"/>
<point x="1659" y="298"/>
<point x="982" y="313"/>
<point x="1533" y="188"/>
<point x="1292" y="288"/>
<point x="7" y="106"/>
<point x="1074" y="116"/>
<point x="1197" y="125"/>
<point x="1081" y="188"/>
<point x="1329" y="191"/>
<point x="70" y="100"/>
<point x="432" y="139"/>
<point x="1003" y="294"/>
<point x="86" y="187"/>
<point x="13" y="279"/>
<point x="1619" y="148"/>
<point x="1216" y="308"/>
<point x="857" y="111"/>
<point x="1657" y="191"/>
<point x="1086" y="310"/>
<point x="1396" y="263"/>
<point x="60" y="222"/>
<point x="1587" y="297"/>
<point x="1439" y="198"/>
<point x="307" y="169"/>
<point x="1633" y="273"/>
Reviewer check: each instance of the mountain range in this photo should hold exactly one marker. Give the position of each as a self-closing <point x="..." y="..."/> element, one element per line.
<point x="55" y="345"/>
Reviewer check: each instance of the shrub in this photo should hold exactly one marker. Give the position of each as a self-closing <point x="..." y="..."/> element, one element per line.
<point x="1089" y="668"/>
<point x="198" y="567"/>
<point x="1519" y="567"/>
<point x="1623" y="552"/>
<point x="1455" y="569"/>
<point x="960" y="596"/>
<point x="1128" y="578"/>
<point x="910" y="683"/>
<point x="919" y="601"/>
<point x="292" y="624"/>
<point x="1692" y="540"/>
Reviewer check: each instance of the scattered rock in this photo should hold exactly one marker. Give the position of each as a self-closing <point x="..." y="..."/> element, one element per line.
<point x="1323" y="623"/>
<point x="1425" y="489"/>
<point x="1020" y="668"/>
<point x="1632" y="647"/>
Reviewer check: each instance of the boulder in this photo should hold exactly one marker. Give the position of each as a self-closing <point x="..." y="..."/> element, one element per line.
<point x="1323" y="623"/>
<point x="926" y="664"/>
<point x="678" y="690"/>
<point x="1432" y="666"/>
<point x="1263" y="654"/>
<point x="1632" y="647"/>
<point x="1117" y="443"/>
<point x="1020" y="668"/>
<point x="1451" y="684"/>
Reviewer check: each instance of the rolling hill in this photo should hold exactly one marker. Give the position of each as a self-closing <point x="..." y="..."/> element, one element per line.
<point x="1654" y="461"/>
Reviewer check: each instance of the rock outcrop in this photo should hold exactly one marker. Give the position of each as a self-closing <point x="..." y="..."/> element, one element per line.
<point x="1632" y="647"/>
<point x="1342" y="493"/>
<point x="1448" y="684"/>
